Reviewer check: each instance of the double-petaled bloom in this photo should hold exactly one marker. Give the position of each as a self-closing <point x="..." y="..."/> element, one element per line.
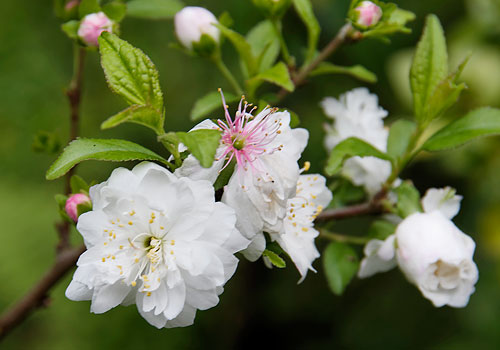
<point x="156" y="240"/>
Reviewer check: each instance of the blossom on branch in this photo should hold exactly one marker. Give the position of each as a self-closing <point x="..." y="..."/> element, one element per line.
<point x="92" y="26"/>
<point x="158" y="241"/>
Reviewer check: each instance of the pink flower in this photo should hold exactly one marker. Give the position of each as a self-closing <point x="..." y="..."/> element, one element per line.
<point x="368" y="14"/>
<point x="92" y="26"/>
<point x="246" y="138"/>
<point x="72" y="203"/>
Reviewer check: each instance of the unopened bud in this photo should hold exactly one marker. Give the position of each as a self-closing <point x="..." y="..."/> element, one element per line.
<point x="195" y="29"/>
<point x="73" y="203"/>
<point x="368" y="14"/>
<point x="92" y="26"/>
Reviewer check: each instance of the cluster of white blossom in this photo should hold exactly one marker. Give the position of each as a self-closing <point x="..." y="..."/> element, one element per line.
<point x="160" y="240"/>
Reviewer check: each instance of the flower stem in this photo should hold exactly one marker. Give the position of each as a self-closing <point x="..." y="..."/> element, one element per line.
<point x="227" y="74"/>
<point x="337" y="237"/>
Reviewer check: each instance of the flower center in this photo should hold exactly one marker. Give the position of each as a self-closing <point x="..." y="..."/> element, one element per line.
<point x="153" y="247"/>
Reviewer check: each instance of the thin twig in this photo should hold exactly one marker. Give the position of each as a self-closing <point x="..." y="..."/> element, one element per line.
<point x="337" y="237"/>
<point x="38" y="296"/>
<point x="333" y="45"/>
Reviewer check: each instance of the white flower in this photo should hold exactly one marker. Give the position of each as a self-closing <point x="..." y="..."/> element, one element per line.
<point x="266" y="151"/>
<point x="431" y="251"/>
<point x="92" y="26"/>
<point x="297" y="233"/>
<point x="192" y="22"/>
<point x="357" y="114"/>
<point x="156" y="240"/>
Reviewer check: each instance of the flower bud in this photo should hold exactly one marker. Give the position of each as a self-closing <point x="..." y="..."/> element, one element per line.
<point x="73" y="202"/>
<point x="368" y="14"/>
<point x="272" y="8"/>
<point x="195" y="29"/>
<point x="92" y="26"/>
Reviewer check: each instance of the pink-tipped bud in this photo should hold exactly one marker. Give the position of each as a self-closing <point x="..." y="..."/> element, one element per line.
<point x="368" y="14"/>
<point x="71" y="4"/>
<point x="92" y="26"/>
<point x="73" y="202"/>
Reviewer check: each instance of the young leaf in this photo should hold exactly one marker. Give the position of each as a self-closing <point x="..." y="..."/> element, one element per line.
<point x="115" y="10"/>
<point x="305" y="10"/>
<point x="399" y="137"/>
<point x="408" y="199"/>
<point x="71" y="28"/>
<point x="154" y="9"/>
<point x="129" y="72"/>
<point x="87" y="7"/>
<point x="357" y="71"/>
<point x="477" y="123"/>
<point x="243" y="47"/>
<point x="209" y="103"/>
<point x="274" y="258"/>
<point x="143" y="115"/>
<point x="348" y="148"/>
<point x="265" y="44"/>
<point x="278" y="75"/>
<point x="202" y="143"/>
<point x="341" y="264"/>
<point x="98" y="149"/>
<point x="78" y="184"/>
<point x="429" y="67"/>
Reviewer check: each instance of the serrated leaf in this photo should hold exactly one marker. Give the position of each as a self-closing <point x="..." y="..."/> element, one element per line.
<point x="381" y="229"/>
<point x="348" y="148"/>
<point x="305" y="10"/>
<point x="243" y="47"/>
<point x="357" y="71"/>
<point x="143" y="115"/>
<point x="129" y="72"/>
<point x="98" y="149"/>
<point x="87" y="7"/>
<point x="429" y="67"/>
<point x="399" y="137"/>
<point x="202" y="144"/>
<point x="115" y="10"/>
<point x="408" y="199"/>
<point x="341" y="263"/>
<point x="78" y="184"/>
<point x="477" y="123"/>
<point x="154" y="9"/>
<point x="278" y="75"/>
<point x="274" y="258"/>
<point x="208" y="103"/>
<point x="265" y="44"/>
<point x="71" y="28"/>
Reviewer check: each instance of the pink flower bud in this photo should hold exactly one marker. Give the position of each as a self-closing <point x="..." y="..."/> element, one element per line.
<point x="72" y="203"/>
<point x="368" y="14"/>
<point x="70" y="5"/>
<point x="92" y="26"/>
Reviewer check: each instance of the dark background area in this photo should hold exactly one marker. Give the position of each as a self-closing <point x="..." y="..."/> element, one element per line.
<point x="260" y="308"/>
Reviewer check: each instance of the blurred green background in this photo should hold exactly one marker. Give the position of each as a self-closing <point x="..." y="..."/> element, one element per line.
<point x="260" y="307"/>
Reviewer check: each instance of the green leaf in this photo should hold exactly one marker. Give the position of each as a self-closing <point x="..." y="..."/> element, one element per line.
<point x="408" y="199"/>
<point x="345" y="193"/>
<point x="274" y="258"/>
<point x="381" y="229"/>
<point x="429" y="67"/>
<point x="278" y="75"/>
<point x="357" y="71"/>
<point x="202" y="144"/>
<point x="399" y="137"/>
<point x="265" y="44"/>
<point x="115" y="10"/>
<point x="143" y="115"/>
<point x="87" y="7"/>
<point x="71" y="28"/>
<point x="225" y="19"/>
<point x="294" y="119"/>
<point x="305" y="10"/>
<point x="209" y="103"/>
<point x="171" y="141"/>
<point x="129" y="72"/>
<point x="348" y="148"/>
<point x="61" y="200"/>
<point x="477" y="123"/>
<point x="243" y="47"/>
<point x="78" y="185"/>
<point x="225" y="175"/>
<point x="154" y="9"/>
<point x="98" y="149"/>
<point x="341" y="263"/>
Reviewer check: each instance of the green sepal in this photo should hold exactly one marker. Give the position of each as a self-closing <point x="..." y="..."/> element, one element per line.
<point x="79" y="185"/>
<point x="274" y="258"/>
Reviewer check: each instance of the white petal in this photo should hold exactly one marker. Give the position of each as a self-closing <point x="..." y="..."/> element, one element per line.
<point x="108" y="296"/>
<point x="256" y="247"/>
<point x="444" y="200"/>
<point x="78" y="291"/>
<point x="373" y="262"/>
<point x="184" y="319"/>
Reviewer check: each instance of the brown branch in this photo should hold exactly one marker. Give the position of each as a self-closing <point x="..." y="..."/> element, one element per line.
<point x="332" y="46"/>
<point x="38" y="296"/>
